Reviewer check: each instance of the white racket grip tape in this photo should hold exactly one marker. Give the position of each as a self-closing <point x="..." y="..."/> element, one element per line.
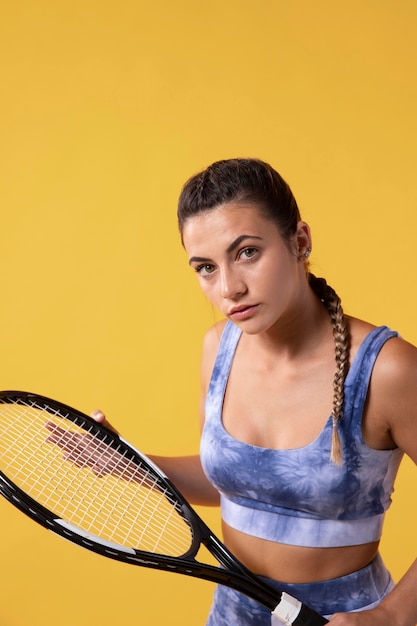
<point x="288" y="609"/>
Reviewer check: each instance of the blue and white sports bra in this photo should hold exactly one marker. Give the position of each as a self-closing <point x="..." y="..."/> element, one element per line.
<point x="299" y="496"/>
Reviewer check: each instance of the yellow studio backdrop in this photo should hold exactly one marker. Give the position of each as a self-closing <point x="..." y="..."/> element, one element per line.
<point x="106" y="108"/>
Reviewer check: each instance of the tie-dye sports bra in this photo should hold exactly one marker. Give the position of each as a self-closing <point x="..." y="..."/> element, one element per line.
<point x="299" y="496"/>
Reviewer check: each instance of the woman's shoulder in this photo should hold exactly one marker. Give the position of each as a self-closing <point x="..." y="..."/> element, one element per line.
<point x="391" y="415"/>
<point x="397" y="359"/>
<point x="395" y="354"/>
<point x="358" y="330"/>
<point x="395" y="368"/>
<point x="211" y="344"/>
<point x="213" y="335"/>
<point x="392" y="401"/>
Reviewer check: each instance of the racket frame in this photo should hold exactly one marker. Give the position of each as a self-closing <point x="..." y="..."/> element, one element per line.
<point x="232" y="572"/>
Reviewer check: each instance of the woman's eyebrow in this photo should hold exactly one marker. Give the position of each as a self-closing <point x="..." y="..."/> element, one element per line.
<point x="229" y="249"/>
<point x="239" y="240"/>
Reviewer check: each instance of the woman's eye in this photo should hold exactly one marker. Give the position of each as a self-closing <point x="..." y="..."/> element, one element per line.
<point x="205" y="269"/>
<point x="248" y="253"/>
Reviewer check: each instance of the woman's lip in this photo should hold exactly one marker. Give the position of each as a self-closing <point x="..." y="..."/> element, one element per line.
<point x="242" y="312"/>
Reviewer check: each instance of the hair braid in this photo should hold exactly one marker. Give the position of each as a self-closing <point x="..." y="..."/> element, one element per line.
<point x="333" y="305"/>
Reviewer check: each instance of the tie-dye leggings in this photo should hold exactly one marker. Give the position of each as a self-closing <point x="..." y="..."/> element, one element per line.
<point x="358" y="591"/>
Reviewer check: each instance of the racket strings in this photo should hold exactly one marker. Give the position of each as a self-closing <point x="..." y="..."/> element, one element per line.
<point x="139" y="521"/>
<point x="127" y="506"/>
<point x="21" y="449"/>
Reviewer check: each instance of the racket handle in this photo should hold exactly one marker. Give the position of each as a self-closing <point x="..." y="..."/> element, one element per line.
<point x="308" y="617"/>
<point x="292" y="612"/>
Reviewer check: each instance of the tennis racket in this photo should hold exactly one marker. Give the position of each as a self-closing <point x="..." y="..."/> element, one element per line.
<point x="82" y="481"/>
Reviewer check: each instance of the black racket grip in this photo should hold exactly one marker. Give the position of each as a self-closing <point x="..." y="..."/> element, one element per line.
<point x="308" y="617"/>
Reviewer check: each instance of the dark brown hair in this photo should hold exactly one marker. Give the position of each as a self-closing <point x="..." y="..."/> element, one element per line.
<point x="240" y="180"/>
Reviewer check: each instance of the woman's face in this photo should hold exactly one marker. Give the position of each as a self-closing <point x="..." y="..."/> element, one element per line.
<point x="245" y="267"/>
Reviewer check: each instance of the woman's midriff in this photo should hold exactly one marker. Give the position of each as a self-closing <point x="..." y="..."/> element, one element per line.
<point x="295" y="564"/>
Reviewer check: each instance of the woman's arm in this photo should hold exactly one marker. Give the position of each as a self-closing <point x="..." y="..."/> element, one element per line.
<point x="391" y="420"/>
<point x="186" y="473"/>
<point x="398" y="609"/>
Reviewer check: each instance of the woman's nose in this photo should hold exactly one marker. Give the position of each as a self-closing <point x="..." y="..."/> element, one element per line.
<point x="232" y="284"/>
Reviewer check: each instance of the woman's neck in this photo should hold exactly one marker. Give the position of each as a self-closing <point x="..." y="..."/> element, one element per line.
<point x="303" y="331"/>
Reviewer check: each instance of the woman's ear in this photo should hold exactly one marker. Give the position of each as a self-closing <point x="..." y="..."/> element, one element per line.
<point x="303" y="241"/>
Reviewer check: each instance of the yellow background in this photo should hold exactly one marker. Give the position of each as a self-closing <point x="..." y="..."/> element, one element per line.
<point x="106" y="108"/>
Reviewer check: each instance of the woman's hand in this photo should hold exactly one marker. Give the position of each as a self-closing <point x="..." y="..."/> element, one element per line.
<point x="86" y="450"/>
<point x="373" y="617"/>
<point x="100" y="417"/>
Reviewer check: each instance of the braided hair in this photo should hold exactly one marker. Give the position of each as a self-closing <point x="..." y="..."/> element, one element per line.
<point x="254" y="181"/>
<point x="332" y="302"/>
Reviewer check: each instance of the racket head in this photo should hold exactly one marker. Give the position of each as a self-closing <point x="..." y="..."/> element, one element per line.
<point x="132" y="513"/>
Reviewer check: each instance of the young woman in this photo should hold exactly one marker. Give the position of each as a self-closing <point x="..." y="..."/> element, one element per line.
<point x="305" y="412"/>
